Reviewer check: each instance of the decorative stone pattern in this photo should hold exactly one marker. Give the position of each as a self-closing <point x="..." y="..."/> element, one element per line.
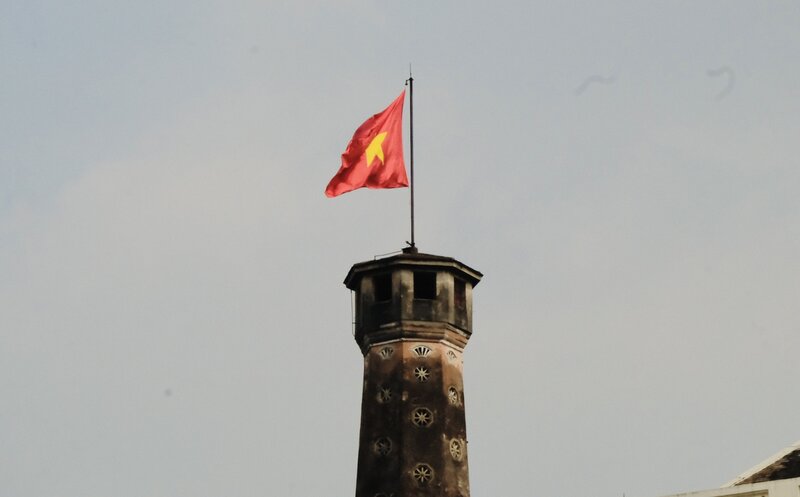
<point x="452" y="396"/>
<point x="422" y="474"/>
<point x="451" y="356"/>
<point x="422" y="417"/>
<point x="421" y="350"/>
<point x="386" y="352"/>
<point x="384" y="395"/>
<point x="382" y="446"/>
<point x="457" y="449"/>
<point x="422" y="374"/>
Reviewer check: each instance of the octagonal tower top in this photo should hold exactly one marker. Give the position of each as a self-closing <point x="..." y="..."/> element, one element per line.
<point x="412" y="296"/>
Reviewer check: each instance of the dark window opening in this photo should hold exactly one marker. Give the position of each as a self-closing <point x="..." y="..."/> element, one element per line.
<point x="383" y="287"/>
<point x="460" y="294"/>
<point x="425" y="286"/>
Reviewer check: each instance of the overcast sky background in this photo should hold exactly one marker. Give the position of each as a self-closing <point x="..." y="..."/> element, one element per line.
<point x="172" y="315"/>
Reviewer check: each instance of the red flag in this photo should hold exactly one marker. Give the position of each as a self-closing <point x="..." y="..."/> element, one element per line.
<point x="374" y="156"/>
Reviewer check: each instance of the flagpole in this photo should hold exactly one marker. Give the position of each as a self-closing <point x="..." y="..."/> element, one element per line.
<point x="412" y="246"/>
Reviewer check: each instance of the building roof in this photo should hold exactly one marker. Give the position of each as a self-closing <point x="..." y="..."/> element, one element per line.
<point x="785" y="464"/>
<point x="412" y="260"/>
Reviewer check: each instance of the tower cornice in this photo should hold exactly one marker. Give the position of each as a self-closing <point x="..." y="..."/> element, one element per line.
<point x="411" y="261"/>
<point x="415" y="330"/>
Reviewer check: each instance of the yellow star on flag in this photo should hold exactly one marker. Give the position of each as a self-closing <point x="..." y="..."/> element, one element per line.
<point x="374" y="149"/>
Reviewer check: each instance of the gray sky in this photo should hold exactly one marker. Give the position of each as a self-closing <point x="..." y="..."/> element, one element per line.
<point x="172" y="317"/>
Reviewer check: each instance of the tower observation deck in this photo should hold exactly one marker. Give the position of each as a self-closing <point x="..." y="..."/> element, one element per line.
<point x="413" y="318"/>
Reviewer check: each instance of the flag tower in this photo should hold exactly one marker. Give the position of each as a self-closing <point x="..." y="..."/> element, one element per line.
<point x="413" y="318"/>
